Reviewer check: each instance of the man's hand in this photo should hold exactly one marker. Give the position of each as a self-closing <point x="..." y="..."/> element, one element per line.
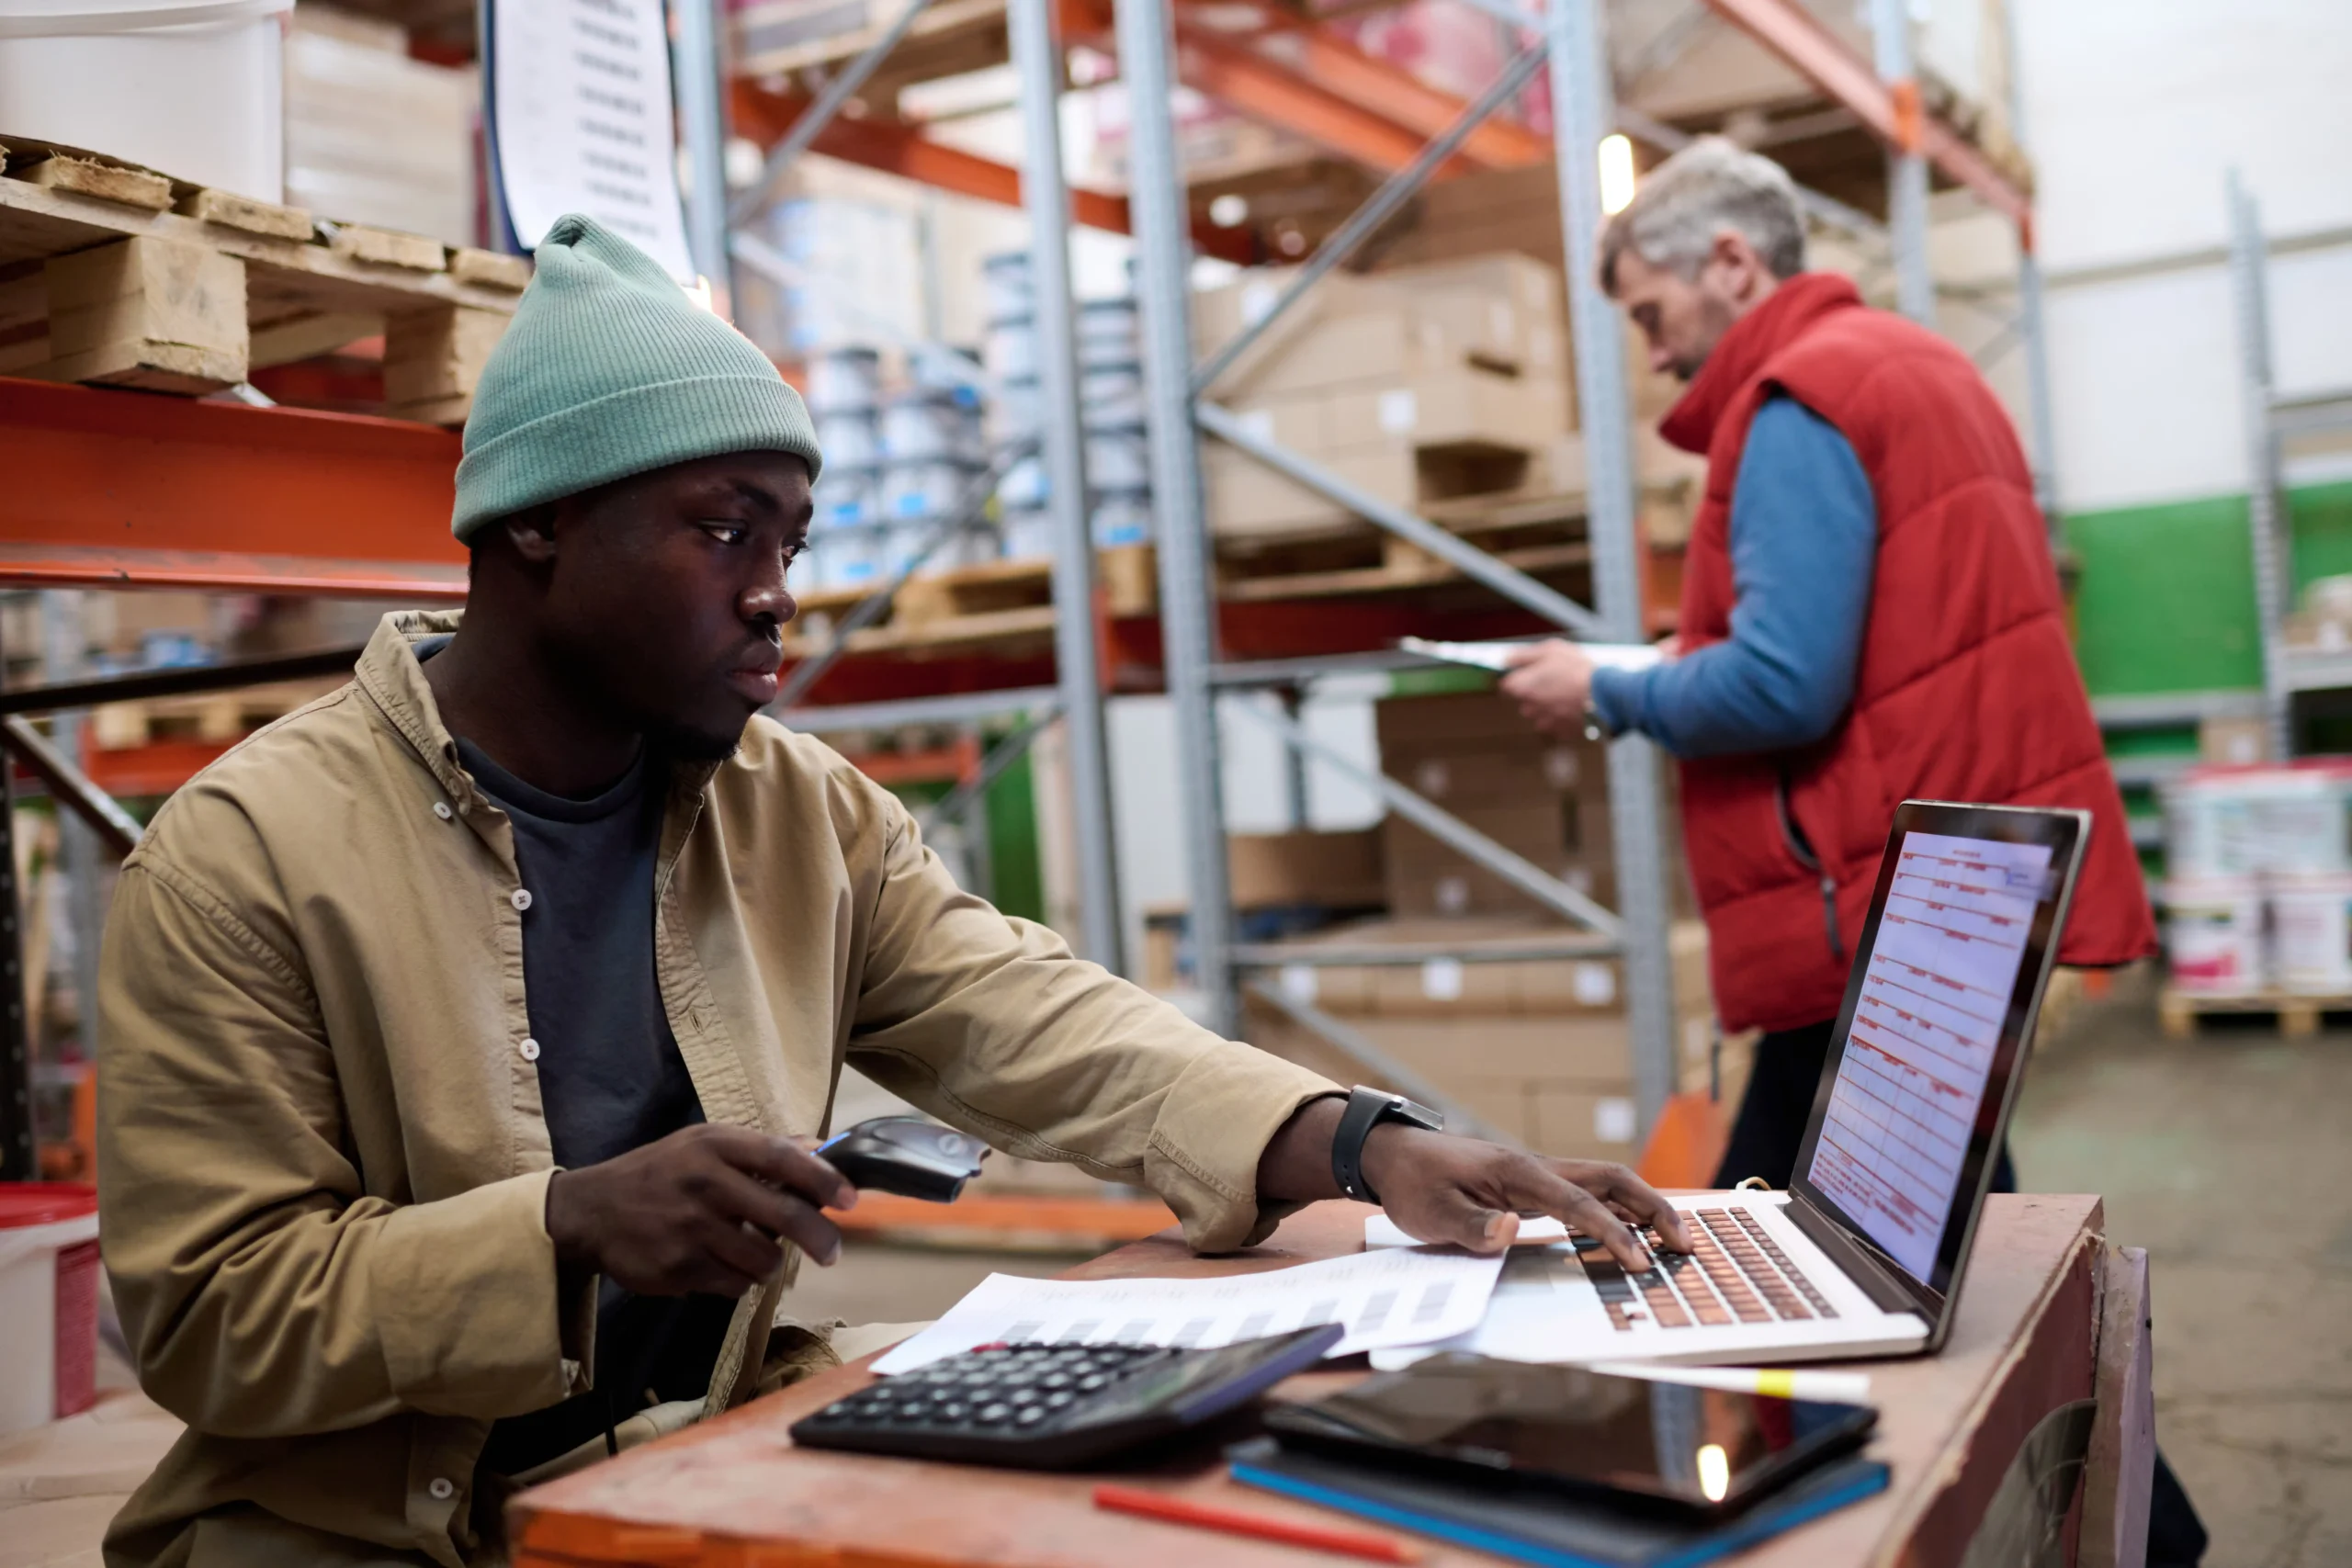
<point x="1551" y="683"/>
<point x="704" y="1210"/>
<point x="1444" y="1189"/>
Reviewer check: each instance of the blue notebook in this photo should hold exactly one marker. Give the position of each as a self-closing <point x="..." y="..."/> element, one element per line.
<point x="1541" y="1527"/>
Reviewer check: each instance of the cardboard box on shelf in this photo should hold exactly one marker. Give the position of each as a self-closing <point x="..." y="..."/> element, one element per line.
<point x="1469" y="406"/>
<point x="1335" y="871"/>
<point x="1575" y="1120"/>
<point x="1244" y="497"/>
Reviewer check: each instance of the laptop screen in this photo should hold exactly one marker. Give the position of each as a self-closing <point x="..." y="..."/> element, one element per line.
<point x="1948" y="974"/>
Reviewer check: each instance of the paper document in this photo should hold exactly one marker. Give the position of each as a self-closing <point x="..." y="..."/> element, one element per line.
<point x="1394" y="1296"/>
<point x="1497" y="655"/>
<point x="1382" y="1231"/>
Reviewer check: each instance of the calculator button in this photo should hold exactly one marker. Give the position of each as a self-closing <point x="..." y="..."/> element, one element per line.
<point x="1023" y="1396"/>
<point x="1054" y="1380"/>
<point x="1030" y="1416"/>
<point x="953" y="1410"/>
<point x="1091" y="1382"/>
<point x="990" y="1415"/>
<point x="1055" y="1401"/>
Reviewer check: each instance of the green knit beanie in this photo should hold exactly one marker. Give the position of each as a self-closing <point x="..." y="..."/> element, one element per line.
<point x="607" y="370"/>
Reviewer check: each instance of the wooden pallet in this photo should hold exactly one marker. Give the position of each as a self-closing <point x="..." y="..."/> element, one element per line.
<point x="951" y="38"/>
<point x="2299" y="1016"/>
<point x="996" y="602"/>
<point x="116" y="274"/>
<point x="212" y="718"/>
<point x="1537" y="534"/>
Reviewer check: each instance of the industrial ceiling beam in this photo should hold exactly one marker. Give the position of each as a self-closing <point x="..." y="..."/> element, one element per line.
<point x="1894" y="117"/>
<point x="121" y="490"/>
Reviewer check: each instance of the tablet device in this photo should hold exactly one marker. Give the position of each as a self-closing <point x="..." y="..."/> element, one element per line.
<point x="1656" y="1446"/>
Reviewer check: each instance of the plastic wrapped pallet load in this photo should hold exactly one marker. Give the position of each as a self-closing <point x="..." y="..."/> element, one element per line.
<point x="193" y="87"/>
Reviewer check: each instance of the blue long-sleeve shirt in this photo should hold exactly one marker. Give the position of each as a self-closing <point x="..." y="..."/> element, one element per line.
<point x="1804" y="539"/>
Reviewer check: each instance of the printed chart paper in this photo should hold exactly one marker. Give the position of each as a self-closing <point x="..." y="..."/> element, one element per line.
<point x="582" y="121"/>
<point x="1392" y="1296"/>
<point x="1634" y="655"/>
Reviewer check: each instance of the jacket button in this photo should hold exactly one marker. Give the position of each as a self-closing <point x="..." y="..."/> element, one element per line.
<point x="520" y="899"/>
<point x="530" y="1050"/>
<point x="441" y="1489"/>
<point x="441" y="810"/>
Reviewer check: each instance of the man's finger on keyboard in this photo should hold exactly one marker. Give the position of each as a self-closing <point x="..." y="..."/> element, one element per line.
<point x="1547" y="1189"/>
<point x="1629" y="1195"/>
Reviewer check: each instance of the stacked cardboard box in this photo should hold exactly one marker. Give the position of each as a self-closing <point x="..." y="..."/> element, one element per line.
<point x="1541" y="798"/>
<point x="1535" y="1047"/>
<point x="1416" y="386"/>
<point x="1515" y="211"/>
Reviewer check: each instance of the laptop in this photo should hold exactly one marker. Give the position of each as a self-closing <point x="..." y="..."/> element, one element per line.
<point x="1864" y="1255"/>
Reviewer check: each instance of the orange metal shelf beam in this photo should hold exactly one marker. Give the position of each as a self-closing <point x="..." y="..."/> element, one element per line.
<point x="1815" y="54"/>
<point x="125" y="490"/>
<point x="898" y="149"/>
<point x="1238" y="76"/>
<point x="1340" y="67"/>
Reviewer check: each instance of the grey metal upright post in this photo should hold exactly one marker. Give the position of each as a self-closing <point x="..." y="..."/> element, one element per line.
<point x="1156" y="206"/>
<point x="19" y="1159"/>
<point x="697" y="74"/>
<point x="2249" y="289"/>
<point x="1906" y="170"/>
<point x="1583" y="113"/>
<point x="2043" y="423"/>
<point x="64" y="657"/>
<point x="1036" y="54"/>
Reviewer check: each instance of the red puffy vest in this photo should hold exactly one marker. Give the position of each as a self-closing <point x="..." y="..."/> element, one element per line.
<point x="1966" y="689"/>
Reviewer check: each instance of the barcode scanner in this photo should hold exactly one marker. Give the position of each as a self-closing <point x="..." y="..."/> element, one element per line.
<point x="905" y="1154"/>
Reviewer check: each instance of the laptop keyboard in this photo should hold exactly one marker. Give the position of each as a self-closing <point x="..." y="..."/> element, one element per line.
<point x="1737" y="1275"/>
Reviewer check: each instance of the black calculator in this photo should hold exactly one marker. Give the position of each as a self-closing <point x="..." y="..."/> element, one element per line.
<point x="1056" y="1406"/>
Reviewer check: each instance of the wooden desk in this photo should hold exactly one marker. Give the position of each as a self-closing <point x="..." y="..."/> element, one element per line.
<point x="734" y="1493"/>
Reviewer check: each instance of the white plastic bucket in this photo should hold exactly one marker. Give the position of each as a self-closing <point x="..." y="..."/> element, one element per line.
<point x="1019" y="408"/>
<point x="1109" y="333"/>
<point x="1009" y="350"/>
<point x="2231" y="822"/>
<point x="2213" y="936"/>
<point x="928" y="488"/>
<point x="1029" y="536"/>
<point x="932" y="422"/>
<point x="846" y="557"/>
<point x="1111" y="396"/>
<point x="195" y="88"/>
<point x="1025" y="487"/>
<point x="49" y="1302"/>
<point x="841" y="380"/>
<point x="2310" y="935"/>
<point x="1121" y="518"/>
<point x="849" y="440"/>
<point x="1008" y="287"/>
<point x="845" y="496"/>
<point x="1117" y="460"/>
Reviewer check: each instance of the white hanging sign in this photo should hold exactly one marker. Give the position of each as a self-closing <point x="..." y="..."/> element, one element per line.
<point x="582" y="121"/>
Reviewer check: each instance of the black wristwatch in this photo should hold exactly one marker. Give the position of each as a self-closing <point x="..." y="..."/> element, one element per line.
<point x="1367" y="1109"/>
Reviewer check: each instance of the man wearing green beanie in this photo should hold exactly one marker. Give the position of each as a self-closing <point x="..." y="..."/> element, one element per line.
<point x="463" y="1036"/>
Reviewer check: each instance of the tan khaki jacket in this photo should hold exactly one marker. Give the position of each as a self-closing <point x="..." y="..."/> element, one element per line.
<point x="322" y="1159"/>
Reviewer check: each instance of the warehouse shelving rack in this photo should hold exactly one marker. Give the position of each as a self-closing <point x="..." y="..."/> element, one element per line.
<point x="119" y="491"/>
<point x="1569" y="36"/>
<point x="2273" y="423"/>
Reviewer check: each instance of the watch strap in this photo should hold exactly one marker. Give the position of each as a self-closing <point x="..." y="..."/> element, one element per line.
<point x="1368" y="1108"/>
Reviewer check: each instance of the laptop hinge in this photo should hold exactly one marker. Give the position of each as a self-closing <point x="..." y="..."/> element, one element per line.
<point x="1866" y="1271"/>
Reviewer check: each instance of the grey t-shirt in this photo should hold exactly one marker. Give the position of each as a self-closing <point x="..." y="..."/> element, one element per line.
<point x="611" y="1078"/>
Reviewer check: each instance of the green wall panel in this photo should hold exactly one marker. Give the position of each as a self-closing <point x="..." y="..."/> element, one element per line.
<point x="2166" y="602"/>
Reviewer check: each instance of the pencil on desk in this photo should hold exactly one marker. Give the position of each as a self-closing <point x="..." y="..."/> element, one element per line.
<point x="1234" y="1521"/>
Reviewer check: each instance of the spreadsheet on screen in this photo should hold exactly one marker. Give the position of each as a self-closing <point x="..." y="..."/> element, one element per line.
<point x="1925" y="1032"/>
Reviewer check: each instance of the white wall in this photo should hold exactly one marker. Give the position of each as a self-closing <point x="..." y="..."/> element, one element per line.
<point x="2134" y="112"/>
